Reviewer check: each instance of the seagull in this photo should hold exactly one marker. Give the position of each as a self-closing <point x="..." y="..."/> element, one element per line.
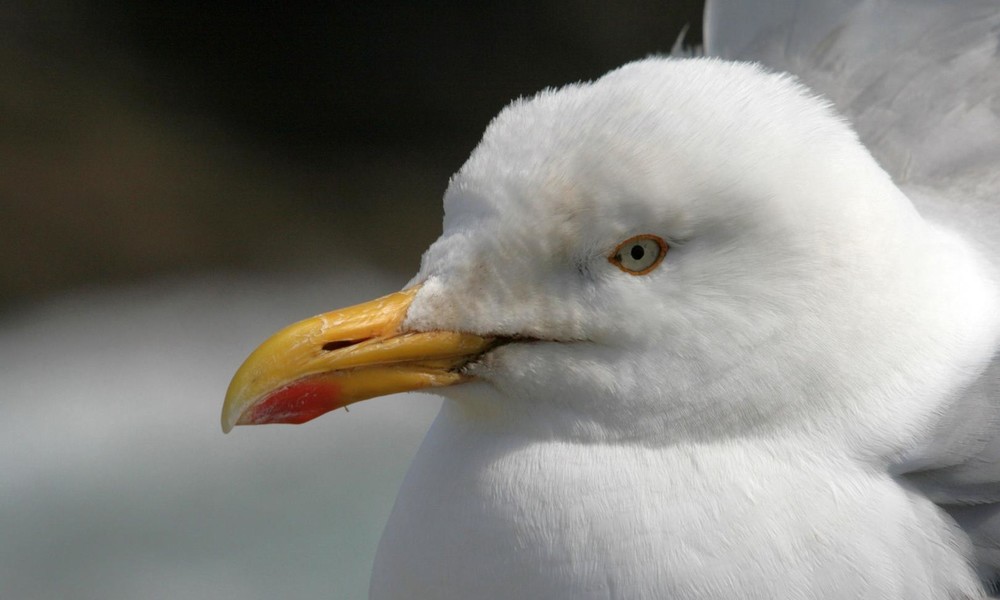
<point x="698" y="336"/>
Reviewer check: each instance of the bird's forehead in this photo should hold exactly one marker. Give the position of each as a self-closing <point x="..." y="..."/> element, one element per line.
<point x="649" y="136"/>
<point x="677" y="147"/>
<point x="560" y="176"/>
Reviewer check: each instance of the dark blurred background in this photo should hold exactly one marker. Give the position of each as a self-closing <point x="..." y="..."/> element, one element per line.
<point x="139" y="139"/>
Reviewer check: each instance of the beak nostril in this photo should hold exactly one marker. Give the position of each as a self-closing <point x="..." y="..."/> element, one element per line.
<point x="337" y="345"/>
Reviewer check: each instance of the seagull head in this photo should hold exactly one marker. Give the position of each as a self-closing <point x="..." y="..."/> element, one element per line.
<point x="681" y="249"/>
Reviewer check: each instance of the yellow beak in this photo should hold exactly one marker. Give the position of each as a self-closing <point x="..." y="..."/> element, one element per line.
<point x="341" y="357"/>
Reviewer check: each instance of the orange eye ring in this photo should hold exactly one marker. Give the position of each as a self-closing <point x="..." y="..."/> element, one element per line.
<point x="639" y="254"/>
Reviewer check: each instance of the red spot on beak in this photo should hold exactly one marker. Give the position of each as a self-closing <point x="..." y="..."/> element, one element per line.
<point x="297" y="403"/>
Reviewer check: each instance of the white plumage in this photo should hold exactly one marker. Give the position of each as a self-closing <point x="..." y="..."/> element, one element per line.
<point x="800" y="401"/>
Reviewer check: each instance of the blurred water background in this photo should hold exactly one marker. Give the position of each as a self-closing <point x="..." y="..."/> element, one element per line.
<point x="177" y="181"/>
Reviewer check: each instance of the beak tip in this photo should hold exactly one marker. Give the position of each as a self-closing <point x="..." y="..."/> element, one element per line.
<point x="231" y="414"/>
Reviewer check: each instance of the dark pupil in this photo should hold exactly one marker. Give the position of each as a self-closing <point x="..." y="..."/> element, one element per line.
<point x="637" y="252"/>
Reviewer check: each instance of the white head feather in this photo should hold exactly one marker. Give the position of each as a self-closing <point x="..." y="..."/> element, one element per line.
<point x="806" y="329"/>
<point x="799" y="282"/>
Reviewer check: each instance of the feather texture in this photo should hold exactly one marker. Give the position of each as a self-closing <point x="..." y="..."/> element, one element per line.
<point x="920" y="81"/>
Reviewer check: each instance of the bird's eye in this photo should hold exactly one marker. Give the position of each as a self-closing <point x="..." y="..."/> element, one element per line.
<point x="640" y="254"/>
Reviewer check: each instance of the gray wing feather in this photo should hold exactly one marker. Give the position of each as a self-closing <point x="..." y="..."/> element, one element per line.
<point x="919" y="80"/>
